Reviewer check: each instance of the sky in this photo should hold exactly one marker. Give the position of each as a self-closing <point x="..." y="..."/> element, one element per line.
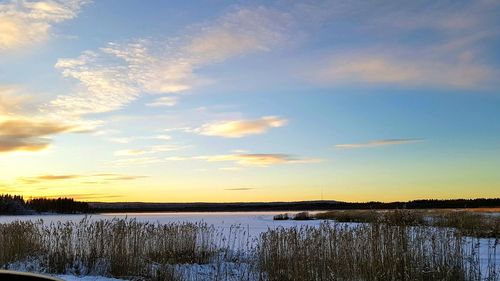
<point x="232" y="101"/>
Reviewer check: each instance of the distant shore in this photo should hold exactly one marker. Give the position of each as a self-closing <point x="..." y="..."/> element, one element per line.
<point x="16" y="205"/>
<point x="140" y="207"/>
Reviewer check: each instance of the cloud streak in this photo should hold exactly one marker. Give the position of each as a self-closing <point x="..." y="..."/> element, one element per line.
<point x="99" y="178"/>
<point x="378" y="143"/>
<point x="258" y="159"/>
<point x="241" y="128"/>
<point x="150" y="150"/>
<point x="380" y="68"/>
<point x="136" y="161"/>
<point x="163" y="101"/>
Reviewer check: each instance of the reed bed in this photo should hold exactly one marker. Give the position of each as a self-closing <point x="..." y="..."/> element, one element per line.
<point x="467" y="222"/>
<point x="119" y="248"/>
<point x="126" y="248"/>
<point x="371" y="252"/>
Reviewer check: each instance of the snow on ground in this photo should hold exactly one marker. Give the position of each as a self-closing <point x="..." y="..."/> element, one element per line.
<point x="86" y="278"/>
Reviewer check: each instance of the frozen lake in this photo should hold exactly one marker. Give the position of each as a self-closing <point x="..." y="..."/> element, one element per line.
<point x="255" y="222"/>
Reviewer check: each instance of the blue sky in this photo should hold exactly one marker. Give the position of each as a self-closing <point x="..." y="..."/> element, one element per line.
<point x="249" y="101"/>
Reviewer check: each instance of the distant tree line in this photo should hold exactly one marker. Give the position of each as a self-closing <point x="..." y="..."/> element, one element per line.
<point x="12" y="205"/>
<point x="292" y="206"/>
<point x="425" y="204"/>
<point x="16" y="205"/>
<point x="59" y="205"/>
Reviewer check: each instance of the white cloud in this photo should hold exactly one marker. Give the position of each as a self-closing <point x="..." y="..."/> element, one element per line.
<point x="241" y="128"/>
<point x="177" y="158"/>
<point x="231" y="169"/>
<point x="246" y="159"/>
<point x="149" y="150"/>
<point x="24" y="23"/>
<point x="119" y="140"/>
<point x="117" y="74"/>
<point x="260" y="159"/>
<point x="137" y="161"/>
<point x="164" y="101"/>
<point x="237" y="33"/>
<point x="131" y="152"/>
<point x="162" y="137"/>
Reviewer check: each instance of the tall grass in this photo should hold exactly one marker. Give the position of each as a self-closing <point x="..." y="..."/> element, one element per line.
<point x="467" y="222"/>
<point x="125" y="248"/>
<point x="19" y="240"/>
<point x="368" y="252"/>
<point x="121" y="248"/>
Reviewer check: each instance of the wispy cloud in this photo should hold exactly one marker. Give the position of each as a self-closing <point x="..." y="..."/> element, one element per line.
<point x="377" y="143"/>
<point x="131" y="152"/>
<point x="137" y="161"/>
<point x="99" y="178"/>
<point x="246" y="159"/>
<point x="160" y="137"/>
<point x="241" y="128"/>
<point x="164" y="101"/>
<point x="262" y="159"/>
<point x="177" y="158"/>
<point x="11" y="100"/>
<point x="380" y="68"/>
<point x="238" y="32"/>
<point x="240" y="189"/>
<point x="150" y="150"/>
<point x="115" y="75"/>
<point x="117" y="177"/>
<point x="24" y="23"/>
<point x="230" y="169"/>
<point x="115" y="137"/>
<point x="449" y="54"/>
<point x="46" y="178"/>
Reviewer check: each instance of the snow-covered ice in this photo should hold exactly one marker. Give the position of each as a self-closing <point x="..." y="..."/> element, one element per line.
<point x="255" y="222"/>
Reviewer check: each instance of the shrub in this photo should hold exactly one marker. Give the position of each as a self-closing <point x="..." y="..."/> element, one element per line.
<point x="349" y="216"/>
<point x="302" y="216"/>
<point x="281" y="217"/>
